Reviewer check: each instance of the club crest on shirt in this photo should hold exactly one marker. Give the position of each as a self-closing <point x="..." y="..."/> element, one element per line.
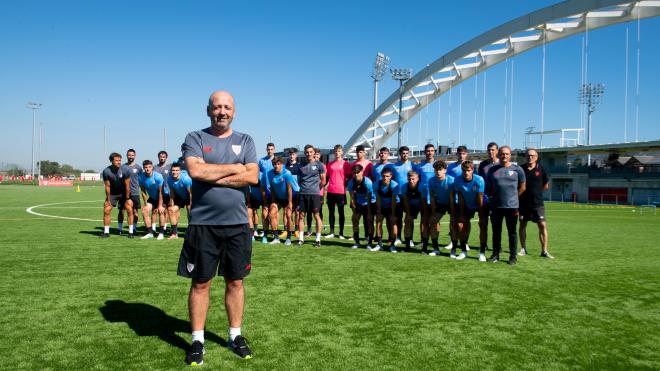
<point x="134" y="171"/>
<point x="207" y="149"/>
<point x="511" y="172"/>
<point x="236" y="149"/>
<point x="474" y="188"/>
<point x="314" y="167"/>
<point x="538" y="173"/>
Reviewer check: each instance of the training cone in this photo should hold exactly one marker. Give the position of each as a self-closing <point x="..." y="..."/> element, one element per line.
<point x="78" y="189"/>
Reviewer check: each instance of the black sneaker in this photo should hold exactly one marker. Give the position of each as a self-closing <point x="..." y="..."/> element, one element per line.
<point x="120" y="232"/>
<point x="240" y="348"/>
<point x="425" y="251"/>
<point x="317" y="244"/>
<point x="547" y="255"/>
<point x="494" y="259"/>
<point x="195" y="356"/>
<point x="512" y="262"/>
<point x="104" y="235"/>
<point x="130" y="235"/>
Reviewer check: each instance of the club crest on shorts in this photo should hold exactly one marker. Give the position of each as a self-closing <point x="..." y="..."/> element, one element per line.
<point x="190" y="267"/>
<point x="236" y="149"/>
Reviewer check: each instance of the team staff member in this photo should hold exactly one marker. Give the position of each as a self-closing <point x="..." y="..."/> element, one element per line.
<point x="179" y="185"/>
<point x="531" y="202"/>
<point x="312" y="177"/>
<point x="484" y="210"/>
<point x="151" y="185"/>
<point x="134" y="169"/>
<point x="506" y="182"/>
<point x="339" y="171"/>
<point x="116" y="180"/>
<point x="363" y="201"/>
<point x="222" y="163"/>
<point x="469" y="189"/>
<point x="440" y="188"/>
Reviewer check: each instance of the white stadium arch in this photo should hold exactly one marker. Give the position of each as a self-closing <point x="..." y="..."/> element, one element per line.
<point x="524" y="33"/>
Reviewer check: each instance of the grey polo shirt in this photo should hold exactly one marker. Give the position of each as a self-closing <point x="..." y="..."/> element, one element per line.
<point x="502" y="185"/>
<point x="213" y="204"/>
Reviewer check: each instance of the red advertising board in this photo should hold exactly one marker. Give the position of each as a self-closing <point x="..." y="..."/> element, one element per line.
<point x="55" y="183"/>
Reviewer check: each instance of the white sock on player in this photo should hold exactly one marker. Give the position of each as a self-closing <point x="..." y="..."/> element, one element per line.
<point x="233" y="332"/>
<point x="106" y="229"/>
<point x="198" y="336"/>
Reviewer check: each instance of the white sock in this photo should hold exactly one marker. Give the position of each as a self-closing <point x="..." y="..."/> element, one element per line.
<point x="130" y="228"/>
<point x="120" y="226"/>
<point x="318" y="237"/>
<point x="198" y="336"/>
<point x="301" y="235"/>
<point x="233" y="332"/>
<point x="106" y="229"/>
<point x="153" y="227"/>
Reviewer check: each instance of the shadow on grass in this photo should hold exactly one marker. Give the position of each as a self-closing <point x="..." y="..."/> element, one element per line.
<point x="139" y="231"/>
<point x="147" y="320"/>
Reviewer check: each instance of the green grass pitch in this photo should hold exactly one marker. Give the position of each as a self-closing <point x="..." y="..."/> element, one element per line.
<point x="73" y="301"/>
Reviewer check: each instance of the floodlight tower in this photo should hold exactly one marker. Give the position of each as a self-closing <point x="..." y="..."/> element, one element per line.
<point x="590" y="96"/>
<point x="380" y="66"/>
<point x="34" y="107"/>
<point x="402" y="75"/>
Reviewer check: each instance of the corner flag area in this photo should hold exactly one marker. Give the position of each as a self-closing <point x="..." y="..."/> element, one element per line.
<point x="72" y="300"/>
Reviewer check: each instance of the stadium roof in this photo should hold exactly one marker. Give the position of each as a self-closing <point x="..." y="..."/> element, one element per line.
<point x="653" y="145"/>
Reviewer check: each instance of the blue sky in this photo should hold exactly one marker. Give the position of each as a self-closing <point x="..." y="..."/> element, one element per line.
<point x="299" y="72"/>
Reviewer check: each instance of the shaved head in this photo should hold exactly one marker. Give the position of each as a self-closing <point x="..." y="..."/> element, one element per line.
<point x="220" y="94"/>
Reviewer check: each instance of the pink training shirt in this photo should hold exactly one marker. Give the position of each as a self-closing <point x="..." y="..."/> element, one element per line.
<point x="338" y="171"/>
<point x="366" y="164"/>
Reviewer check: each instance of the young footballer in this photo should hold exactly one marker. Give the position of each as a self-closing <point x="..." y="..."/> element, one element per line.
<point x="469" y="189"/>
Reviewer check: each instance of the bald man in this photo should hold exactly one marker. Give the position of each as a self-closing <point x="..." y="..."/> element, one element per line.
<point x="222" y="163"/>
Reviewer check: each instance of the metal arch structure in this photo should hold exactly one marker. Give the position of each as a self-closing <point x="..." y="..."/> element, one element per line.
<point x="546" y="25"/>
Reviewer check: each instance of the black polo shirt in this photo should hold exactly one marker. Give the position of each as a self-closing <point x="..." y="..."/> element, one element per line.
<point x="536" y="179"/>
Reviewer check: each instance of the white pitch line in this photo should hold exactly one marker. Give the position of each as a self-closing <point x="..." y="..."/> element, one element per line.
<point x="29" y="210"/>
